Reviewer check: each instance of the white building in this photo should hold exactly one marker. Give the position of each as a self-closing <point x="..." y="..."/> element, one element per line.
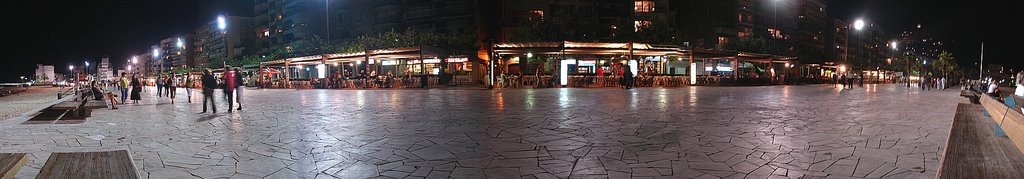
<point x="44" y="73"/>
<point x="105" y="72"/>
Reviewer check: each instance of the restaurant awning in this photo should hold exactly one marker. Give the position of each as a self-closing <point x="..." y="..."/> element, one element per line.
<point x="391" y="53"/>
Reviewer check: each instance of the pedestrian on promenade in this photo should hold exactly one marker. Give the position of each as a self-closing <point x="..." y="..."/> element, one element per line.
<point x="172" y="87"/>
<point x="239" y="87"/>
<point x="1020" y="84"/>
<point x="209" y="83"/>
<point x="136" y="89"/>
<point x="159" y="86"/>
<point x="123" y="85"/>
<point x="189" y="84"/>
<point x="169" y="85"/>
<point x="229" y="86"/>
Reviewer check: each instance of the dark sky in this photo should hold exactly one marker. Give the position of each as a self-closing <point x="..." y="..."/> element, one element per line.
<point x="65" y="32"/>
<point x="961" y="24"/>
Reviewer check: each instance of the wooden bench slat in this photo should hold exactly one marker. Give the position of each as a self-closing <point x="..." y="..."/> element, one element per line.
<point x="973" y="150"/>
<point x="1013" y="125"/>
<point x="110" y="165"/>
<point x="995" y="108"/>
<point x="10" y="163"/>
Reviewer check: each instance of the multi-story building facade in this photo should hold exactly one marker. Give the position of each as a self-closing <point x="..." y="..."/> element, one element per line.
<point x="278" y="23"/>
<point x="44" y="73"/>
<point x="139" y="64"/>
<point x="104" y="71"/>
<point x="839" y="46"/>
<point x="212" y="42"/>
<point x="813" y="27"/>
<point x="176" y="51"/>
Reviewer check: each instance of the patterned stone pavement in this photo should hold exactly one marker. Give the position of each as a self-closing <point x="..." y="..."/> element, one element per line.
<point x="691" y="132"/>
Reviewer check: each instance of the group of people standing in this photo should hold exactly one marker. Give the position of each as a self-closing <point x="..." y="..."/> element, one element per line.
<point x="928" y="83"/>
<point x="231" y="82"/>
<point x="849" y="80"/>
<point x="130" y="85"/>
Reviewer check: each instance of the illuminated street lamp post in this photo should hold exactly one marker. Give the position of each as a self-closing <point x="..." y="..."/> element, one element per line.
<point x="858" y="25"/>
<point x="73" y="74"/>
<point x="222" y="25"/>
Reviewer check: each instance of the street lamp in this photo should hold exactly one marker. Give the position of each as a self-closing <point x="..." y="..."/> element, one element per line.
<point x="180" y="43"/>
<point x="859" y="24"/>
<point x="222" y="23"/>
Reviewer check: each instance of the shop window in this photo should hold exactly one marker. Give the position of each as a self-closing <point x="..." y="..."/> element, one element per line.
<point x="643" y="6"/>
<point x="638" y="25"/>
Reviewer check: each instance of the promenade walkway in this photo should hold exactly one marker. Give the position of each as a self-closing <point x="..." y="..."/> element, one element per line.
<point x="689" y="132"/>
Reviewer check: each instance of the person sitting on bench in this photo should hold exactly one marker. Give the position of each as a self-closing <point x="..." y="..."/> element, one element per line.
<point x="96" y="92"/>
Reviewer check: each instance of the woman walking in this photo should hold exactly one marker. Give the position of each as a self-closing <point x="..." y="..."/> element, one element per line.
<point x="172" y="87"/>
<point x="189" y="84"/>
<point x="136" y="89"/>
<point x="240" y="87"/>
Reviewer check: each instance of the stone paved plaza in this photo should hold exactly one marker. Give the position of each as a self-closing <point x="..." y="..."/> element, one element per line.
<point x="885" y="131"/>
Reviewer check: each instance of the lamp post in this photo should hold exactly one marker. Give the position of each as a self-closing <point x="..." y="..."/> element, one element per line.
<point x="222" y="25"/>
<point x="156" y="56"/>
<point x="858" y="25"/>
<point x="73" y="74"/>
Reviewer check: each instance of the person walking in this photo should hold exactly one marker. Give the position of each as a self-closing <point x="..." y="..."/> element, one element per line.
<point x="123" y="85"/>
<point x="172" y="87"/>
<point x="189" y="84"/>
<point x="229" y="87"/>
<point x="159" y="86"/>
<point x="209" y="83"/>
<point x="239" y="87"/>
<point x="136" y="89"/>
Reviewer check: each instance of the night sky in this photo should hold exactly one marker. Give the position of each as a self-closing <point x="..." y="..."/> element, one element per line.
<point x="65" y="32"/>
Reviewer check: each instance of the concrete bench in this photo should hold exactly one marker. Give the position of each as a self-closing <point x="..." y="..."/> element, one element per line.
<point x="10" y="163"/>
<point x="973" y="150"/>
<point x="109" y="164"/>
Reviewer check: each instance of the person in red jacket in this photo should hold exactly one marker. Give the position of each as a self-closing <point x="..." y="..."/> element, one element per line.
<point x="229" y="86"/>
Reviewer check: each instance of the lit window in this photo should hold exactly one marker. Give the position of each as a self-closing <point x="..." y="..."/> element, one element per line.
<point x="776" y="33"/>
<point x="266" y="33"/>
<point x="637" y="25"/>
<point x="539" y="14"/>
<point x="643" y="6"/>
<point x="740" y="18"/>
<point x="723" y="40"/>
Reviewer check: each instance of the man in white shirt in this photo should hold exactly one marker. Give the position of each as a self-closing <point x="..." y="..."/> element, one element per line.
<point x="1020" y="84"/>
<point x="993" y="88"/>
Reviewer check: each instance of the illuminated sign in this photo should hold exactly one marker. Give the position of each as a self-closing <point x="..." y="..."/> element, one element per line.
<point x="458" y="59"/>
<point x="389" y="62"/>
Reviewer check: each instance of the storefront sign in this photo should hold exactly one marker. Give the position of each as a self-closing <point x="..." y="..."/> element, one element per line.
<point x="389" y="62"/>
<point x="458" y="59"/>
<point x="432" y="60"/>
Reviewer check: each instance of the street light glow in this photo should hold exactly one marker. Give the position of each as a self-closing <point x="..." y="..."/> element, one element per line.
<point x="156" y="53"/>
<point x="135" y="59"/>
<point x="893" y="45"/>
<point x="180" y="43"/>
<point x="222" y="23"/>
<point x="859" y="24"/>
